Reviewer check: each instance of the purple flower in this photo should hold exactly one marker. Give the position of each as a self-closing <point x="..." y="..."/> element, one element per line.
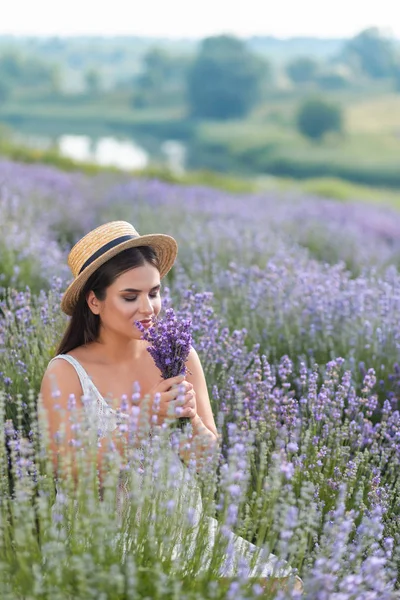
<point x="170" y="341"/>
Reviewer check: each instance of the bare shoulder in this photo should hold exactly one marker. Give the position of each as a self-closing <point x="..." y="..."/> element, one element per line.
<point x="59" y="376"/>
<point x="60" y="380"/>
<point x="85" y="353"/>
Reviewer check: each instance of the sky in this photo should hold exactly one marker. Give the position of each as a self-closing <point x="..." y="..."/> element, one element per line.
<point x="197" y="19"/>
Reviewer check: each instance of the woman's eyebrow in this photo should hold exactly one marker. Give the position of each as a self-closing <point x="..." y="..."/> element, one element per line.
<point x="153" y="289"/>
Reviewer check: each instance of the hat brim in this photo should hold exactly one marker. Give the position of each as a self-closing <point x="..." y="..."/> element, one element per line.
<point x="165" y="247"/>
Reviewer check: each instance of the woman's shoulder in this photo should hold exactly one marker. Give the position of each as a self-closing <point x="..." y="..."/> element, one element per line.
<point x="68" y="366"/>
<point x="60" y="374"/>
<point x="81" y="354"/>
<point x="62" y="360"/>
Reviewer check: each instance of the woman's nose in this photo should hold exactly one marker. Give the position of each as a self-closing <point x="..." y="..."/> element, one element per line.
<point x="146" y="307"/>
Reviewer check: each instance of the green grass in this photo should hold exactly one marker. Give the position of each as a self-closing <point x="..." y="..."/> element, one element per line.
<point x="327" y="187"/>
<point x="204" y="177"/>
<point x="379" y="115"/>
<point x="334" y="188"/>
<point x="240" y="137"/>
<point x="345" y="190"/>
<point x="94" y="110"/>
<point x="267" y="142"/>
<point x="50" y="157"/>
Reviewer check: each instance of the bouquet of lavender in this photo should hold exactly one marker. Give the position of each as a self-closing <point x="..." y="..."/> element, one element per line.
<point x="170" y="341"/>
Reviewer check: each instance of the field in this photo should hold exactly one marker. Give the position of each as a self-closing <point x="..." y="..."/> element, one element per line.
<point x="268" y="142"/>
<point x="295" y="305"/>
<point x="265" y="143"/>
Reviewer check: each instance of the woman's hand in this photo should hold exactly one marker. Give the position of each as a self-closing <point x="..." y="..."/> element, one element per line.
<point x="187" y="407"/>
<point x="168" y="390"/>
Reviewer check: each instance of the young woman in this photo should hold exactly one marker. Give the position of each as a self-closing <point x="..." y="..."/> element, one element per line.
<point x="117" y="276"/>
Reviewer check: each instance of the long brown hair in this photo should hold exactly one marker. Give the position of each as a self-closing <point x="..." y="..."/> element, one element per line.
<point x="84" y="326"/>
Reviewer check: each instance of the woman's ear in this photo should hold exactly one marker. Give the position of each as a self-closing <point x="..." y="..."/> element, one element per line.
<point x="93" y="302"/>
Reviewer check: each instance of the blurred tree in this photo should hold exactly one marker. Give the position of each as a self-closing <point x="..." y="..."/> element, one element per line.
<point x="225" y="79"/>
<point x="162" y="73"/>
<point x="56" y="80"/>
<point x="5" y="91"/>
<point x="11" y="66"/>
<point x="316" y="117"/>
<point x="302" y="70"/>
<point x="35" y="73"/>
<point x="93" y="81"/>
<point x="23" y="71"/>
<point x="335" y="77"/>
<point x="371" y="53"/>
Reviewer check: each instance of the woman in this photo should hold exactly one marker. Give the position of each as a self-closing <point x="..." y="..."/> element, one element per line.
<point x="116" y="283"/>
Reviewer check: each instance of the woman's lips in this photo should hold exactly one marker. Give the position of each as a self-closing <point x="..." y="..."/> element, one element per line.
<point x="146" y="323"/>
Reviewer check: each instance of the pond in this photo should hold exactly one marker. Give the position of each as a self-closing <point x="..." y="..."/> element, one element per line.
<point x="125" y="154"/>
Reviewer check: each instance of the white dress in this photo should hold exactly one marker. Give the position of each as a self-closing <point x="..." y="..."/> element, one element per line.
<point x="240" y="550"/>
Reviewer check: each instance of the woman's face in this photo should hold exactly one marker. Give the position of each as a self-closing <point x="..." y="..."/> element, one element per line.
<point x="134" y="296"/>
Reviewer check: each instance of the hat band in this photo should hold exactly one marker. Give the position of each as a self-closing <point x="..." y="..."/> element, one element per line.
<point x="105" y="248"/>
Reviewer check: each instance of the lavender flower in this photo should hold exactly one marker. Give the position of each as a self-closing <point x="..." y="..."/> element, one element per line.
<point x="170" y="342"/>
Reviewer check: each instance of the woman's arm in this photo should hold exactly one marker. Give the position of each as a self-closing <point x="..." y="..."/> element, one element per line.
<point x="61" y="377"/>
<point x="205" y="434"/>
<point x="197" y="379"/>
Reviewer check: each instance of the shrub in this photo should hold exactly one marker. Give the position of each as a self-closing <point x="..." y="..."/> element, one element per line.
<point x="316" y="117"/>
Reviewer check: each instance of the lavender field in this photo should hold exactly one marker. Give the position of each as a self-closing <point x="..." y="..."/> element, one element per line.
<point x="295" y="305"/>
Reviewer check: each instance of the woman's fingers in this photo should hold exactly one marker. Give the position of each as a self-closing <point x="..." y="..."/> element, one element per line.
<point x="180" y="400"/>
<point x="184" y="400"/>
<point x="174" y="393"/>
<point x="166" y="384"/>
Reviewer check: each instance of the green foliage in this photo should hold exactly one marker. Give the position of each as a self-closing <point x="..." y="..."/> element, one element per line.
<point x="18" y="272"/>
<point x="5" y="91"/>
<point x="302" y="70"/>
<point x="397" y="77"/>
<point x="374" y="175"/>
<point x="334" y="78"/>
<point x="25" y="72"/>
<point x="29" y="340"/>
<point x="49" y="157"/>
<point x="202" y="177"/>
<point x="265" y="142"/>
<point x="316" y="117"/>
<point x="93" y="81"/>
<point x="330" y="187"/>
<point x="372" y="53"/>
<point x="162" y="75"/>
<point x="225" y="79"/>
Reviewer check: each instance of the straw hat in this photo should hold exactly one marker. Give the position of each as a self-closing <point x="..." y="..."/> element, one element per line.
<point x="106" y="241"/>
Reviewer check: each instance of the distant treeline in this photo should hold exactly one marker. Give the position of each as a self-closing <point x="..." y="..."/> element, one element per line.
<point x="170" y="89"/>
<point x="167" y="72"/>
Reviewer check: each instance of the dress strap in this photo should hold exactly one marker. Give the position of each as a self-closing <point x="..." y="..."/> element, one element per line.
<point x="102" y="416"/>
<point x="84" y="378"/>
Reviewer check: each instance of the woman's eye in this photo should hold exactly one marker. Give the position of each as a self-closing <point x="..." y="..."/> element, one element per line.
<point x="154" y="295"/>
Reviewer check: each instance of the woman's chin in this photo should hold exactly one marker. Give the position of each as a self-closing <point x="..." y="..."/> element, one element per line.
<point x="136" y="334"/>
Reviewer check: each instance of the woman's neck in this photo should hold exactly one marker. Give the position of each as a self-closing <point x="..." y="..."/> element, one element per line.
<point x="112" y="350"/>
